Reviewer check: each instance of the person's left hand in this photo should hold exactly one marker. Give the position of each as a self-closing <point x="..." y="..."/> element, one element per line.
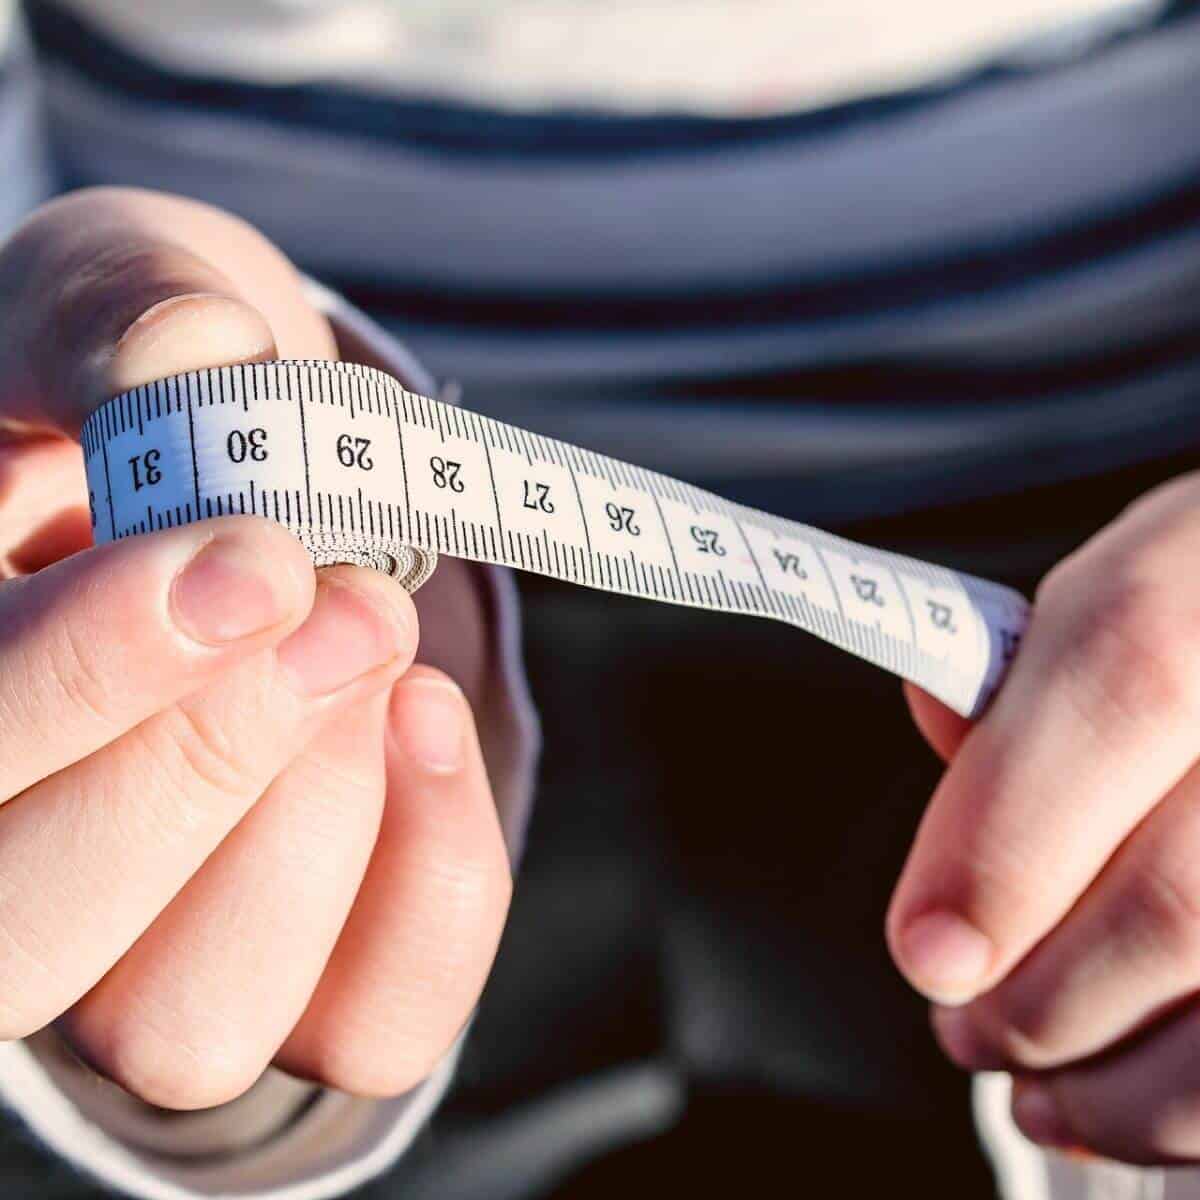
<point x="221" y="846"/>
<point x="1051" y="903"/>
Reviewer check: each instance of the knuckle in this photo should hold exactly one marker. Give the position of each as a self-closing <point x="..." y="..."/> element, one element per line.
<point x="473" y="898"/>
<point x="1170" y="504"/>
<point x="1162" y="906"/>
<point x="1024" y="1028"/>
<point x="1130" y="655"/>
<point x="172" y="1072"/>
<point x="205" y="753"/>
<point x="17" y="1023"/>
<point x="1060" y="582"/>
<point x="81" y="677"/>
<point x="31" y="985"/>
<point x="1169" y="1131"/>
<point x="395" y="1038"/>
<point x="375" y="1076"/>
<point x="102" y="296"/>
<point x="1165" y="1130"/>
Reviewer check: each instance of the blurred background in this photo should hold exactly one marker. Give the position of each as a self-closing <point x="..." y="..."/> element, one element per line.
<point x="926" y="274"/>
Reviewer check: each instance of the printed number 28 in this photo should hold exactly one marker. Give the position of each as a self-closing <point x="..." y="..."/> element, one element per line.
<point x="446" y="474"/>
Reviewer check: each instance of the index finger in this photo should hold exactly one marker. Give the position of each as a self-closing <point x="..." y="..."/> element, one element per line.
<point x="96" y="644"/>
<point x="1096" y="722"/>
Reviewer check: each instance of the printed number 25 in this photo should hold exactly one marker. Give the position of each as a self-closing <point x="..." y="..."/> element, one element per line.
<point x="707" y="541"/>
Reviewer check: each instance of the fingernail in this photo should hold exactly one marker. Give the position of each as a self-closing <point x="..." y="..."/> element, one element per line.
<point x="1038" y="1115"/>
<point x="428" y="721"/>
<point x="227" y="592"/>
<point x="945" y="957"/>
<point x="186" y="333"/>
<point x="348" y="633"/>
<point x="959" y="1038"/>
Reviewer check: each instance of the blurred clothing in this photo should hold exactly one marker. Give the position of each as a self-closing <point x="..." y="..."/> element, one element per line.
<point x="952" y="310"/>
<point x="636" y="56"/>
<point x="975" y="284"/>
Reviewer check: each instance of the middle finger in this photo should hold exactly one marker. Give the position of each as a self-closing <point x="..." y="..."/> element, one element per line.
<point x="189" y="1018"/>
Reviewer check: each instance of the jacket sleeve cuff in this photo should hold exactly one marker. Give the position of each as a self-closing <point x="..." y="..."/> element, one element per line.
<point x="312" y="1143"/>
<point x="1025" y="1171"/>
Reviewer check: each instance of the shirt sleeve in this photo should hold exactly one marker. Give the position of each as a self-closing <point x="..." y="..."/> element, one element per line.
<point x="27" y="178"/>
<point x="283" y="1140"/>
<point x="1025" y="1171"/>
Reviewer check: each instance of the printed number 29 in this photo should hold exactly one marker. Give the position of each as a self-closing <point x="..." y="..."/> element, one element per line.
<point x="352" y="452"/>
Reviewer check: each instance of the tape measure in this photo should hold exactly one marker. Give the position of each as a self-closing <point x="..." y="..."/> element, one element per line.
<point x="361" y="470"/>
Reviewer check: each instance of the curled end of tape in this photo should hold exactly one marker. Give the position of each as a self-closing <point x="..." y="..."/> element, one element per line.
<point x="409" y="566"/>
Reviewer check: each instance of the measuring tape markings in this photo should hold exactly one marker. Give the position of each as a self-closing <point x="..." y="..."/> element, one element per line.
<point x="362" y="470"/>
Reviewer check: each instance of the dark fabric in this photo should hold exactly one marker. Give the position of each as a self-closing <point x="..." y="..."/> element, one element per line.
<point x="724" y="809"/>
<point x="1021" y="308"/>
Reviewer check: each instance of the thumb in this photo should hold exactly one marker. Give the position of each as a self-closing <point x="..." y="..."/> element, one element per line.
<point x="942" y="727"/>
<point x="105" y="290"/>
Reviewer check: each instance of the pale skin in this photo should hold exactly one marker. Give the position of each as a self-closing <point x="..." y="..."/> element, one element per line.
<point x="243" y="820"/>
<point x="1050" y="906"/>
<point x="216" y="762"/>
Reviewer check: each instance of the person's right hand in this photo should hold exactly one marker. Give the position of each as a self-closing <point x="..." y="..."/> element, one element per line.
<point x="198" y="871"/>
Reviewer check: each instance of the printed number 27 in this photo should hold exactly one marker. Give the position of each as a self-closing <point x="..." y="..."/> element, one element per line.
<point x="537" y="496"/>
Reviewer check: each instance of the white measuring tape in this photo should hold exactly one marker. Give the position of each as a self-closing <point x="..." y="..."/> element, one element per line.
<point x="363" y="471"/>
